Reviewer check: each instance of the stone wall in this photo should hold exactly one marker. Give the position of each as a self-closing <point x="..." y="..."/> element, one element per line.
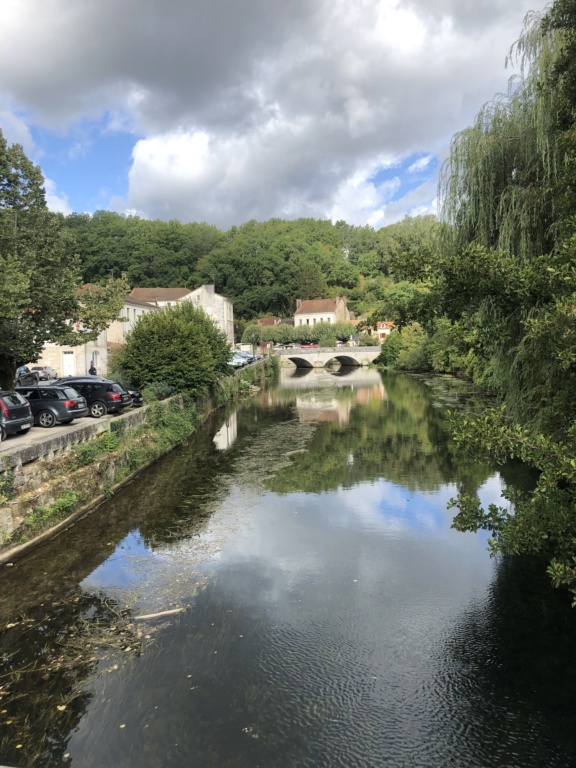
<point x="35" y="475"/>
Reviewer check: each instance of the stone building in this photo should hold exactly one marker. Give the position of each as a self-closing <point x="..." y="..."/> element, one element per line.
<point x="312" y="311"/>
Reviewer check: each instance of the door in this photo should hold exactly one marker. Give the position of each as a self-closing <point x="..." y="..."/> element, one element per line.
<point x="68" y="364"/>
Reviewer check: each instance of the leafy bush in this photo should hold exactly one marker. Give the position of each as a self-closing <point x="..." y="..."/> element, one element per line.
<point x="179" y="345"/>
<point x="86" y="453"/>
<point x="391" y="347"/>
<point x="413" y="355"/>
<point x="367" y="340"/>
<point x="322" y="333"/>
<point x="158" y="390"/>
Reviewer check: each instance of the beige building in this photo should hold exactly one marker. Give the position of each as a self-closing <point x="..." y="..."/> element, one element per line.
<point x="217" y="307"/>
<point x="312" y="311"/>
<point x="75" y="361"/>
<point x="131" y="312"/>
<point x="383" y="329"/>
<point x="160" y="297"/>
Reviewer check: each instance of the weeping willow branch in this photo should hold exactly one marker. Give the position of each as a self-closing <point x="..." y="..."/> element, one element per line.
<point x="496" y="187"/>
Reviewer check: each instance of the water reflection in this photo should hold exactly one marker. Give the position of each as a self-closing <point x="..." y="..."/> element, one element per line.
<point x="227" y="434"/>
<point x="333" y="617"/>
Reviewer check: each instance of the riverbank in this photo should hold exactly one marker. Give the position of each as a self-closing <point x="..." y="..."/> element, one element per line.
<point x="46" y="486"/>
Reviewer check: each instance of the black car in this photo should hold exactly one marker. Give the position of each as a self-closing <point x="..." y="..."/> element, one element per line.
<point x="137" y="399"/>
<point x="102" y="395"/>
<point x="24" y="376"/>
<point x="52" y="405"/>
<point x="15" y="414"/>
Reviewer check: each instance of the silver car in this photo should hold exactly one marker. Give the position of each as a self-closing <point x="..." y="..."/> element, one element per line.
<point x="45" y="372"/>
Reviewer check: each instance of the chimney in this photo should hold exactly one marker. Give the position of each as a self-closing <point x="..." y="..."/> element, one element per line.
<point x="298" y="302"/>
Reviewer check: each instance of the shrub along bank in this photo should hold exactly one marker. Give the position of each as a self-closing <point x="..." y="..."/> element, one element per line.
<point x="91" y="472"/>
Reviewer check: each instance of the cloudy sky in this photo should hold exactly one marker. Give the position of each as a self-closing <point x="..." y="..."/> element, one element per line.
<point x="223" y="111"/>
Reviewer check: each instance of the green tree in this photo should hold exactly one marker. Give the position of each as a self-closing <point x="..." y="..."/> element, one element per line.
<point x="180" y="346"/>
<point x="40" y="300"/>
<point x="507" y="277"/>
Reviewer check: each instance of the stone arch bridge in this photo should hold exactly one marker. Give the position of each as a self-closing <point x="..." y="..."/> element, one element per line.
<point x="318" y="357"/>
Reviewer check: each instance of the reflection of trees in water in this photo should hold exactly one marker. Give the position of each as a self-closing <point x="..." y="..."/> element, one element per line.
<point x="507" y="672"/>
<point x="403" y="440"/>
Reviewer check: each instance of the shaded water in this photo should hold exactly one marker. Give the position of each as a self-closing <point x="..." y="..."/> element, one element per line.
<point x="333" y="618"/>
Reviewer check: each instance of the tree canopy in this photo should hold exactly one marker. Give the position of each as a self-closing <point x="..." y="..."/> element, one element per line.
<point x="40" y="274"/>
<point x="179" y="346"/>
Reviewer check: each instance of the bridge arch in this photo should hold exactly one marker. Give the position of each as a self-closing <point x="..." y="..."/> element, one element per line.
<point x="346" y="360"/>
<point x="318" y="357"/>
<point x="300" y="362"/>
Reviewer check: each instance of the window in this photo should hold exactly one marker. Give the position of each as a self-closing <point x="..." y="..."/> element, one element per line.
<point x="307" y="321"/>
<point x="134" y="310"/>
<point x="13" y="398"/>
<point x="30" y="394"/>
<point x="48" y="394"/>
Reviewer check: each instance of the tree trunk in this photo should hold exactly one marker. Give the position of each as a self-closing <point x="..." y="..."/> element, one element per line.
<point x="7" y="372"/>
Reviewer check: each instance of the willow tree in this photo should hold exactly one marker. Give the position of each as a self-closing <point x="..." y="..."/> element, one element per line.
<point x="509" y="276"/>
<point x="497" y="186"/>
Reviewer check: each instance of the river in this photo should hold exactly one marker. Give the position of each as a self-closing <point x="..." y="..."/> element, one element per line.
<point x="331" y="616"/>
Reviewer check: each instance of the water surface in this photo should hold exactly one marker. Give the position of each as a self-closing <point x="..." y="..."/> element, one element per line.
<point x="332" y="616"/>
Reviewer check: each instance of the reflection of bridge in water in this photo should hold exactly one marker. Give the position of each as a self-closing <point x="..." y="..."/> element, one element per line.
<point x="318" y="400"/>
<point x="305" y="378"/>
<point x="318" y="357"/>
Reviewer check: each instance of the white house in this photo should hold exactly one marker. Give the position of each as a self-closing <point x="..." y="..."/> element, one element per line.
<point x="75" y="361"/>
<point x="131" y="311"/>
<point x="312" y="311"/>
<point x="217" y="307"/>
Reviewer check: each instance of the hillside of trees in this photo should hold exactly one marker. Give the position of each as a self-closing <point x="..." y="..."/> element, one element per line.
<point x="263" y="267"/>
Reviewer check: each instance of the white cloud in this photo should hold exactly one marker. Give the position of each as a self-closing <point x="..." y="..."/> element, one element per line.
<point x="260" y="108"/>
<point x="56" y="201"/>
<point x="421" y="164"/>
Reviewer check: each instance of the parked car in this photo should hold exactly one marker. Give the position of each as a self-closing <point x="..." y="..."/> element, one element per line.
<point x="25" y="376"/>
<point x="102" y="395"/>
<point x="236" y="361"/>
<point x="248" y="356"/>
<point x="137" y="399"/>
<point x="15" y="414"/>
<point x="53" y="405"/>
<point x="45" y="372"/>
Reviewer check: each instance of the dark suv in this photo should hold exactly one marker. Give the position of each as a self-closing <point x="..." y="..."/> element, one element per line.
<point x="51" y="405"/>
<point x="15" y="414"/>
<point x="102" y="395"/>
<point x="25" y="376"/>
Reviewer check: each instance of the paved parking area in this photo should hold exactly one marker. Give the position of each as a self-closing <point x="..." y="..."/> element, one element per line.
<point x="38" y="435"/>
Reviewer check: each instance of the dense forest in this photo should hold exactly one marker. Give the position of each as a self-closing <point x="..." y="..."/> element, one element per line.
<point x="263" y="267"/>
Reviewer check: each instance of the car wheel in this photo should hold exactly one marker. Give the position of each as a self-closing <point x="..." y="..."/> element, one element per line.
<point x="46" y="419"/>
<point x="2" y="433"/>
<point x="97" y="409"/>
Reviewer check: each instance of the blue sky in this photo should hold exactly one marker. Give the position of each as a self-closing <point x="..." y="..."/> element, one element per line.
<point x="223" y="112"/>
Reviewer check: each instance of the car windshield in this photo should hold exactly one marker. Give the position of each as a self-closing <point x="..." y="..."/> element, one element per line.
<point x="13" y="398"/>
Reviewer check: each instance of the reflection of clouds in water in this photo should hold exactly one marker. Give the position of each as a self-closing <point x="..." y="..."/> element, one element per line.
<point x="122" y="568"/>
<point x="295" y="538"/>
